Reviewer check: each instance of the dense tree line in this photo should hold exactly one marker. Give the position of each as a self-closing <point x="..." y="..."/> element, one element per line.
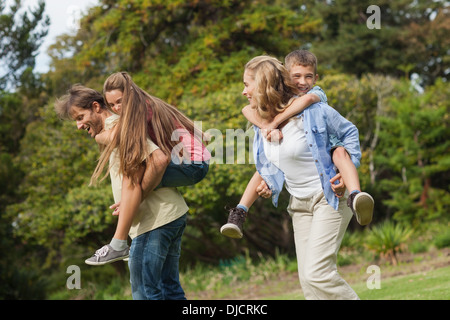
<point x="192" y="53"/>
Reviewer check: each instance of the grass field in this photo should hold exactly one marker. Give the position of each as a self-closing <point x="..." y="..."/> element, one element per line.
<point x="416" y="277"/>
<point x="422" y="276"/>
<point x="429" y="285"/>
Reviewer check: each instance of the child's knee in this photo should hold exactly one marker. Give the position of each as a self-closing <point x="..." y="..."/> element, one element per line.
<point x="340" y="154"/>
<point x="162" y="159"/>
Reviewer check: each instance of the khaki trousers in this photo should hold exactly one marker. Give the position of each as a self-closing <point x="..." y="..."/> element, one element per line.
<point x="318" y="233"/>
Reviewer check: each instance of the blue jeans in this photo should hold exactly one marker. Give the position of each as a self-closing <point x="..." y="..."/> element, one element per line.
<point x="184" y="174"/>
<point x="154" y="261"/>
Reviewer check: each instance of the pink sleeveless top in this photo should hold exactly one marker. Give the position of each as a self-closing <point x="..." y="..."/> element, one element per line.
<point x="191" y="145"/>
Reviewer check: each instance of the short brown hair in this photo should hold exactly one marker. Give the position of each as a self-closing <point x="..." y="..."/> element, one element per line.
<point x="301" y="58"/>
<point x="79" y="96"/>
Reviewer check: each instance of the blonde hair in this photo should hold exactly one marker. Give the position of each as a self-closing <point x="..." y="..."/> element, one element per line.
<point x="132" y="128"/>
<point x="273" y="90"/>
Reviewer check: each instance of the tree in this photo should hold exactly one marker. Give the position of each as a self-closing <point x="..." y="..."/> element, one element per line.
<point x="412" y="154"/>
<point x="409" y="34"/>
<point x="190" y="53"/>
<point x="21" y="94"/>
<point x="21" y="36"/>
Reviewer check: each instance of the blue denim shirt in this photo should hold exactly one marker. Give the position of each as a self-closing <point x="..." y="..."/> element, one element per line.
<point x="324" y="128"/>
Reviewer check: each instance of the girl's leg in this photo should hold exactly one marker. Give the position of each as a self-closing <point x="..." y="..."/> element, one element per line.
<point x="129" y="204"/>
<point x="184" y="174"/>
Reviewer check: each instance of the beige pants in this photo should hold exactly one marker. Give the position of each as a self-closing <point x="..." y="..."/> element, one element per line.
<point x="318" y="233"/>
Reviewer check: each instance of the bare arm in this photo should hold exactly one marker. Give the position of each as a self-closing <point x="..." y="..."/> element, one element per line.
<point x="156" y="165"/>
<point x="106" y="136"/>
<point x="253" y="117"/>
<point x="295" y="108"/>
<point x="153" y="171"/>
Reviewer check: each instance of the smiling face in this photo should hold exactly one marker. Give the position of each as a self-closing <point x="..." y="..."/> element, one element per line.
<point x="92" y="120"/>
<point x="249" y="85"/>
<point x="114" y="100"/>
<point x="303" y="77"/>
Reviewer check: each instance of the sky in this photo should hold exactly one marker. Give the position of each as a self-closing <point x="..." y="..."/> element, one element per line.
<point x="64" y="16"/>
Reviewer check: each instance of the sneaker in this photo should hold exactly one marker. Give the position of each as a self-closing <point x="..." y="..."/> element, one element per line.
<point x="233" y="229"/>
<point x="107" y="254"/>
<point x="362" y="205"/>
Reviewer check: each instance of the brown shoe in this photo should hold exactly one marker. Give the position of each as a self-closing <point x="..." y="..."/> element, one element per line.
<point x="233" y="228"/>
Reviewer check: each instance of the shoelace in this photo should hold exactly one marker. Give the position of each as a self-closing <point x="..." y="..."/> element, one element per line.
<point x="101" y="252"/>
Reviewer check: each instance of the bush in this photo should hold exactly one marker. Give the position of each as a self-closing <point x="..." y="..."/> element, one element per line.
<point x="387" y="239"/>
<point x="442" y="240"/>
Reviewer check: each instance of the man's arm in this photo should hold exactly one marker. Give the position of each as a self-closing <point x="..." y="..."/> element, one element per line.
<point x="153" y="171"/>
<point x="106" y="136"/>
<point x="156" y="165"/>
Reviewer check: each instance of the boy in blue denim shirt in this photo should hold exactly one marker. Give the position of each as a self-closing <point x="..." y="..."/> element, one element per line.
<point x="302" y="66"/>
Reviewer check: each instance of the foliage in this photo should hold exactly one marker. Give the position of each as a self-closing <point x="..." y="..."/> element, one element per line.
<point x="191" y="54"/>
<point x="387" y="239"/>
<point x="413" y="153"/>
<point x="21" y="36"/>
<point x="442" y="240"/>
<point x="57" y="159"/>
<point x="410" y="38"/>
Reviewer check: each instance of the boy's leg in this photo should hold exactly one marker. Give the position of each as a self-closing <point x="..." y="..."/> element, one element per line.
<point x="250" y="195"/>
<point x="236" y="218"/>
<point x="347" y="169"/>
<point x="361" y="203"/>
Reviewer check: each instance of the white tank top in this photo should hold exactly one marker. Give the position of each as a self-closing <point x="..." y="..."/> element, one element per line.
<point x="294" y="158"/>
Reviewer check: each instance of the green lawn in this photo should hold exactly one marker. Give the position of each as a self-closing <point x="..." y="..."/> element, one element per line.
<point x="429" y="285"/>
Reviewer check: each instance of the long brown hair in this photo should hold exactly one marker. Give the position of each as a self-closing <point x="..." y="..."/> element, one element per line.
<point x="274" y="90"/>
<point x="132" y="128"/>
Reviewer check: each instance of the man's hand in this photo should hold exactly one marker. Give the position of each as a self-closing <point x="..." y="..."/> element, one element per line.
<point x="115" y="206"/>
<point x="263" y="190"/>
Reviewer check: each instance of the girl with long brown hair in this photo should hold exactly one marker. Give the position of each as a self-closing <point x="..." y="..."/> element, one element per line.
<point x="144" y="116"/>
